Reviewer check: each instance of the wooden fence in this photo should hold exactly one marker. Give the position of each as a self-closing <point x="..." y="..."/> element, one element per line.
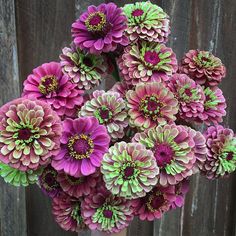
<point x="34" y="31"/>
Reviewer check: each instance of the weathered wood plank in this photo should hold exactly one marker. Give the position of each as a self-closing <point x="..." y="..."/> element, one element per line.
<point x="12" y="200"/>
<point x="43" y="28"/>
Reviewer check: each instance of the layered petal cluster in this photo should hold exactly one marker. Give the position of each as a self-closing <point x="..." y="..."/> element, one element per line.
<point x="146" y="62"/>
<point x="203" y="67"/>
<point x="110" y="110"/>
<point x="181" y="190"/>
<point x="48" y="182"/>
<point x="18" y="178"/>
<point x="151" y="104"/>
<point x="30" y="134"/>
<point x="121" y="88"/>
<point x="80" y="186"/>
<point x="147" y="21"/>
<point x="221" y="154"/>
<point x="85" y="70"/>
<point x="47" y="83"/>
<point x="83" y="144"/>
<point x="173" y="149"/>
<point x="105" y="212"/>
<point x="214" y="106"/>
<point x="189" y="94"/>
<point x="129" y="170"/>
<point x="155" y="203"/>
<point x="100" y="29"/>
<point x="67" y="213"/>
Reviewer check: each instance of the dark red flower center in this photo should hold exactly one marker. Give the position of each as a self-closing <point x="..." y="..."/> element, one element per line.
<point x="157" y="202"/>
<point x="188" y="92"/>
<point x="206" y="59"/>
<point x="48" y="84"/>
<point x="153" y="105"/>
<point x="137" y="12"/>
<point x="163" y="154"/>
<point x="152" y="58"/>
<point x="49" y="181"/>
<point x="80" y="146"/>
<point x="230" y="156"/>
<point x="88" y="62"/>
<point x="129" y="171"/>
<point x="105" y="114"/>
<point x="108" y="214"/>
<point x="96" y="22"/>
<point x="24" y="134"/>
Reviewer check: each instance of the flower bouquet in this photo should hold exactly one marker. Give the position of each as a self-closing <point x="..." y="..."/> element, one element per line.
<point x="105" y="157"/>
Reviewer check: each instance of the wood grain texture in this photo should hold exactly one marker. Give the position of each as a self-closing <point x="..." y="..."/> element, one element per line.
<point x="43" y="29"/>
<point x="12" y="200"/>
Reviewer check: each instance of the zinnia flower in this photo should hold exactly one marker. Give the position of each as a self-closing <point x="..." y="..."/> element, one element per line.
<point x="129" y="170"/>
<point x="155" y="203"/>
<point x="147" y="62"/>
<point x="100" y="29"/>
<point x="85" y="70"/>
<point x="47" y="83"/>
<point x="173" y="149"/>
<point x="78" y="187"/>
<point x="67" y="213"/>
<point x="105" y="212"/>
<point x="121" y="88"/>
<point x="30" y="134"/>
<point x="110" y="110"/>
<point x="18" y="178"/>
<point x="189" y="94"/>
<point x="48" y="182"/>
<point x="151" y="104"/>
<point x="221" y="154"/>
<point x="181" y="190"/>
<point x="214" y="106"/>
<point x="203" y="67"/>
<point x="83" y="144"/>
<point x="147" y="21"/>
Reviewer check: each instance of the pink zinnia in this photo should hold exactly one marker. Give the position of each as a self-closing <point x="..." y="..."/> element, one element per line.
<point x="100" y="29"/>
<point x="121" y="88"/>
<point x="78" y="187"/>
<point x="155" y="203"/>
<point x="30" y="134"/>
<point x="203" y="67"/>
<point x="151" y="104"/>
<point x="83" y="144"/>
<point x="47" y="83"/>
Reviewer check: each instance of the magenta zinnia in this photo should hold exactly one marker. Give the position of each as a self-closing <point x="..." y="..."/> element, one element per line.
<point x="151" y="104"/>
<point x="29" y="134"/>
<point x="145" y="62"/>
<point x="189" y="94"/>
<point x="105" y="212"/>
<point x="83" y="144"/>
<point x="221" y="154"/>
<point x="85" y="70"/>
<point x="129" y="170"/>
<point x="147" y="21"/>
<point x="78" y="187"/>
<point x="203" y="67"/>
<point x="47" y="83"/>
<point x="173" y="149"/>
<point x="110" y="110"/>
<point x="67" y="213"/>
<point x="100" y="29"/>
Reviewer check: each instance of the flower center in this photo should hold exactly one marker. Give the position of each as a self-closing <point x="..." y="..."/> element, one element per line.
<point x="108" y="214"/>
<point x="74" y="181"/>
<point x="137" y="12"/>
<point x="80" y="146"/>
<point x="129" y="171"/>
<point x="151" y="58"/>
<point x="96" y="22"/>
<point x="230" y="156"/>
<point x="150" y="106"/>
<point x="88" y="62"/>
<point x="188" y="92"/>
<point x="155" y="202"/>
<point x="24" y="134"/>
<point x="163" y="154"/>
<point x="49" y="180"/>
<point x="103" y="114"/>
<point x="76" y="215"/>
<point x="48" y="84"/>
